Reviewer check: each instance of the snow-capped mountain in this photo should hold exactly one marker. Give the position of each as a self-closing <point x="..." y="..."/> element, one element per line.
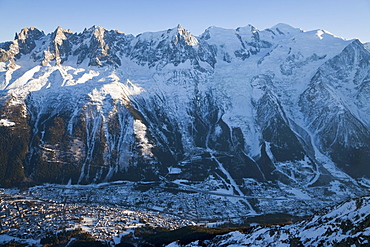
<point x="277" y="112"/>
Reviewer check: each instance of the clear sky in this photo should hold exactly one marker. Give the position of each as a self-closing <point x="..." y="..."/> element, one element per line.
<point x="346" y="18"/>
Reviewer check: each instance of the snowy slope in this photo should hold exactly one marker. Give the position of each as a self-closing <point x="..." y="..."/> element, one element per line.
<point x="344" y="225"/>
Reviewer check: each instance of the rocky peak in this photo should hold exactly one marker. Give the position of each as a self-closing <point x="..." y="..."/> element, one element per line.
<point x="31" y="33"/>
<point x="99" y="46"/>
<point x="99" y="34"/>
<point x="173" y="46"/>
<point x="9" y="54"/>
<point x="186" y="36"/>
<point x="59" y="47"/>
<point x="24" y="42"/>
<point x="97" y="30"/>
<point x="59" y="35"/>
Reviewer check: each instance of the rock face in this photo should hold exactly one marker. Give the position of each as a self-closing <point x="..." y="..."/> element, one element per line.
<point x="280" y="108"/>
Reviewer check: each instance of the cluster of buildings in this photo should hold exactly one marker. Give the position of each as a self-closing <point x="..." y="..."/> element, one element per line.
<point x="116" y="209"/>
<point x="24" y="217"/>
<point x="188" y="205"/>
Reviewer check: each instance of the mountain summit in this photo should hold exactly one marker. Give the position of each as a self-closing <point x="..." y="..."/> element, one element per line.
<point x="245" y="112"/>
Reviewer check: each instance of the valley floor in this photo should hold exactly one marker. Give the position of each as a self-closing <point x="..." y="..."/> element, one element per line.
<point x="109" y="211"/>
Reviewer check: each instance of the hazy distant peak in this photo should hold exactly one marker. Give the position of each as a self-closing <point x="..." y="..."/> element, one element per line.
<point x="283" y="28"/>
<point x="249" y="27"/>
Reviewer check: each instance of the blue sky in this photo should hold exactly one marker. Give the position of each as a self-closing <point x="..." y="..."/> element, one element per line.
<point x="346" y="18"/>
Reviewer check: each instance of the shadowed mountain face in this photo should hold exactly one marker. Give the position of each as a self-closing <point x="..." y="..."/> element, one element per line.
<point x="278" y="108"/>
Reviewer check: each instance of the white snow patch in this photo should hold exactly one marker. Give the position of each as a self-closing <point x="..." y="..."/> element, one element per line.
<point x="299" y="194"/>
<point x="140" y="132"/>
<point x="180" y="181"/>
<point x="320" y="33"/>
<point x="4" y="238"/>
<point x="173" y="244"/>
<point x="6" y="122"/>
<point x="174" y="170"/>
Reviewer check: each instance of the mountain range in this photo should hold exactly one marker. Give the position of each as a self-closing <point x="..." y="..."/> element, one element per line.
<point x="245" y="112"/>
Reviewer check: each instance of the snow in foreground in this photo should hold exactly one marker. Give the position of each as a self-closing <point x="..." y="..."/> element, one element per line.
<point x="346" y="225"/>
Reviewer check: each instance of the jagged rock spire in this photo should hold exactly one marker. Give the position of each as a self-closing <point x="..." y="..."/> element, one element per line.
<point x="186" y="35"/>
